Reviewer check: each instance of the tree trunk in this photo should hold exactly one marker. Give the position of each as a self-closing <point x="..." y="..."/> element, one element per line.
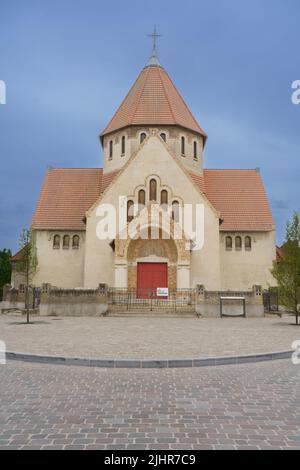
<point x="27" y="297"/>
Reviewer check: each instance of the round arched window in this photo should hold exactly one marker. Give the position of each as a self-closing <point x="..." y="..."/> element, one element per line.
<point x="75" y="242"/>
<point x="164" y="198"/>
<point x="66" y="242"/>
<point x="183" y="146"/>
<point x="153" y="190"/>
<point x="143" y="137"/>
<point x="175" y="211"/>
<point x="238" y="243"/>
<point x="130" y="207"/>
<point x="56" y="242"/>
<point x="228" y="243"/>
<point x="248" y="243"/>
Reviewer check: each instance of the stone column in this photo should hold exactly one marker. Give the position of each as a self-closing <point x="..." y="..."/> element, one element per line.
<point x="183" y="276"/>
<point x="121" y="275"/>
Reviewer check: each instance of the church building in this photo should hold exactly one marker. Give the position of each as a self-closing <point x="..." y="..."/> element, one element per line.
<point x="153" y="157"/>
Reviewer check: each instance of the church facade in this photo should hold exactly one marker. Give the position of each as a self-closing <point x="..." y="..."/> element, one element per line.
<point x="153" y="167"/>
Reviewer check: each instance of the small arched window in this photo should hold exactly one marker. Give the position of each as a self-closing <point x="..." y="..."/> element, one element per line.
<point x="238" y="243"/>
<point x="75" y="242"/>
<point x="248" y="243"/>
<point x="182" y="145"/>
<point x="123" y="145"/>
<point x="56" y="242"/>
<point x="66" y="242"/>
<point x="228" y="243"/>
<point x="130" y="207"/>
<point x="141" y="198"/>
<point x="175" y="211"/>
<point x="153" y="190"/>
<point x="195" y="150"/>
<point x="163" y="135"/>
<point x="143" y="137"/>
<point x="111" y="149"/>
<point x="164" y="199"/>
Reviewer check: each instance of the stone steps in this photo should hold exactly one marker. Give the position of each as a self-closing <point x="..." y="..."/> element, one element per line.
<point x="149" y="313"/>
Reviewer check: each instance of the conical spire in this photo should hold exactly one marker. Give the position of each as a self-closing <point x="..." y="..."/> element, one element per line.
<point x="153" y="100"/>
<point x="154" y="60"/>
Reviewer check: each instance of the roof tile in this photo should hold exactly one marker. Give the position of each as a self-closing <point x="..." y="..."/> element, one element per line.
<point x="153" y="100"/>
<point x="240" y="197"/>
<point x="66" y="196"/>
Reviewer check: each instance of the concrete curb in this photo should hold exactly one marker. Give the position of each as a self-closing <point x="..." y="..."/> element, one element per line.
<point x="150" y="363"/>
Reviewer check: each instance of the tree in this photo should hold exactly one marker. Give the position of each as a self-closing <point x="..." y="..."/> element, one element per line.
<point x="27" y="264"/>
<point x="287" y="270"/>
<point x="5" y="269"/>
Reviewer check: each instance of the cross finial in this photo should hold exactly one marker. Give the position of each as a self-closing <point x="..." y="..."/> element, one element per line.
<point x="155" y="35"/>
<point x="154" y="61"/>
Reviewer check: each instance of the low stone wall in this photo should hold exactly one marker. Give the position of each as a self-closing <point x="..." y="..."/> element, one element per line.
<point x="13" y="298"/>
<point x="208" y="303"/>
<point x="53" y="301"/>
<point x="73" y="302"/>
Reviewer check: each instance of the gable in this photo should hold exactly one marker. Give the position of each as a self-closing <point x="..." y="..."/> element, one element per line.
<point x="154" y="159"/>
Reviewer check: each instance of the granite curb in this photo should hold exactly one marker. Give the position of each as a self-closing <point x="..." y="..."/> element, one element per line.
<point x="148" y="363"/>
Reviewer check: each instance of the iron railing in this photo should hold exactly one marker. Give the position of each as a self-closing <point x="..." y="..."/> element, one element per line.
<point x="147" y="298"/>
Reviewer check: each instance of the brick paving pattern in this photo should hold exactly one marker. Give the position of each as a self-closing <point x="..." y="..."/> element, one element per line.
<point x="148" y="338"/>
<point x="235" y="407"/>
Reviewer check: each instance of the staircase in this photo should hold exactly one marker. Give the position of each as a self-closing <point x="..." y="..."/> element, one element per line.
<point x="187" y="311"/>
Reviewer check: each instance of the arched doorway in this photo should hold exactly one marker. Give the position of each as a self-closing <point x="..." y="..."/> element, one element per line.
<point x="152" y="264"/>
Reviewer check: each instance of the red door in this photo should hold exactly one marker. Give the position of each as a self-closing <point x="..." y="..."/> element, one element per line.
<point x="150" y="276"/>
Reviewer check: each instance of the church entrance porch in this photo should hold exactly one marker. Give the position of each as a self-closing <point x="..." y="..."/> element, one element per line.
<point x="151" y="277"/>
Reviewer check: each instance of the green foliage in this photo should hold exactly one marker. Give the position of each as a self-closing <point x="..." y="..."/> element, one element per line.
<point x="28" y="262"/>
<point x="5" y="269"/>
<point x="287" y="270"/>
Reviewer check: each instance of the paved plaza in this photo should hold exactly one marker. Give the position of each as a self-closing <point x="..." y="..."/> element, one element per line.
<point x="148" y="337"/>
<point x="253" y="406"/>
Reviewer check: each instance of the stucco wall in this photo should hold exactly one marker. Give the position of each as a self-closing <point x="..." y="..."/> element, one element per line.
<point x="132" y="136"/>
<point x="243" y="269"/>
<point x="59" y="267"/>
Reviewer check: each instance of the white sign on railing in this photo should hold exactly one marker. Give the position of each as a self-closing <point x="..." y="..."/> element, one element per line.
<point x="162" y="292"/>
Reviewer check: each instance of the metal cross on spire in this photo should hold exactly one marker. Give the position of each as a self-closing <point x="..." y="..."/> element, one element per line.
<point x="154" y="61"/>
<point x="155" y="35"/>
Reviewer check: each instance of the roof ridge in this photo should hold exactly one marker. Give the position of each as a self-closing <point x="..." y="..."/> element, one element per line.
<point x="230" y="169"/>
<point x="185" y="104"/>
<point x="122" y="102"/>
<point x="74" y="168"/>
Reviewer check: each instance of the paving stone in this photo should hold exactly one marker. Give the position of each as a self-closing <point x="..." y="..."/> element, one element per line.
<point x="152" y="340"/>
<point x="251" y="406"/>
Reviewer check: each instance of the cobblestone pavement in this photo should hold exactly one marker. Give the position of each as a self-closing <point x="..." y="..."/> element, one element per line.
<point x="148" y="338"/>
<point x="234" y="407"/>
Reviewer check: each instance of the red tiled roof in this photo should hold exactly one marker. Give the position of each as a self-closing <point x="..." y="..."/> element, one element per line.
<point x="66" y="196"/>
<point x="18" y="256"/>
<point x="240" y="197"/>
<point x="153" y="100"/>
